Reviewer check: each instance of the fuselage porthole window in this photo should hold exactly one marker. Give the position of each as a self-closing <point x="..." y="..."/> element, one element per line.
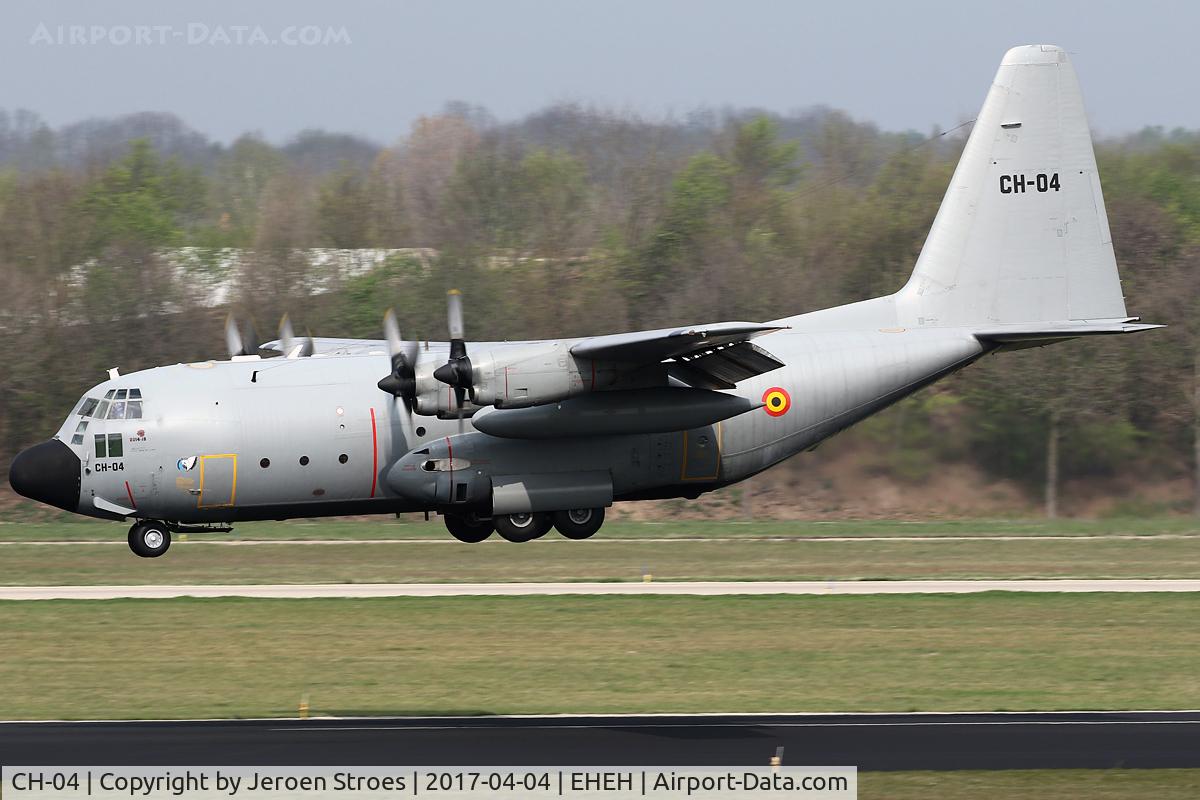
<point x="304" y="461"/>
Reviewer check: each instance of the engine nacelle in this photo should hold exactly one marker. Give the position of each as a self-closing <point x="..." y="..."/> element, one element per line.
<point x="521" y="376"/>
<point x="436" y="399"/>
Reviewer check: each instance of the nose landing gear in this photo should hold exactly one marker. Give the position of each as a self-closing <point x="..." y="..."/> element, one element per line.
<point x="149" y="538"/>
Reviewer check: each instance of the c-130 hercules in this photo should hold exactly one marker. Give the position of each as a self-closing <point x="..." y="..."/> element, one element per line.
<point x="519" y="437"/>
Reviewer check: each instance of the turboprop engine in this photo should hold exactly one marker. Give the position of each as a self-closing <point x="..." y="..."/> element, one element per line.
<point x="507" y="376"/>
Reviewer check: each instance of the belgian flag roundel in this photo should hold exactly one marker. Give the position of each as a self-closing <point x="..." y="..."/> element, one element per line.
<point x="777" y="401"/>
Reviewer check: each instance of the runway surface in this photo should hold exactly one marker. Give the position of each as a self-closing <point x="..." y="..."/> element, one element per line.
<point x="869" y="741"/>
<point x="497" y="542"/>
<point x="707" y="588"/>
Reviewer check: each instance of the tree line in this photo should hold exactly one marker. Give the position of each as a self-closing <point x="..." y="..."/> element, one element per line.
<point x="116" y="239"/>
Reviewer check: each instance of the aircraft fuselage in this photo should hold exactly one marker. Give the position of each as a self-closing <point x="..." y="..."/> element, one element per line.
<point x="248" y="439"/>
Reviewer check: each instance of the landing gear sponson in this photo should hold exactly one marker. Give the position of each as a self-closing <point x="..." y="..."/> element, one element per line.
<point x="576" y="523"/>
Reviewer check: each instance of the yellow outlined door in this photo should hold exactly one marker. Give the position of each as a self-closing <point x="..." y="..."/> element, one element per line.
<point x="218" y="481"/>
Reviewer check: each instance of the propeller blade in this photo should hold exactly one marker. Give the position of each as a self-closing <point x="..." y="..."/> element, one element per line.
<point x="401" y="381"/>
<point x="391" y="332"/>
<point x="240" y="340"/>
<point x="455" y="314"/>
<point x="233" y="337"/>
<point x="287" y="336"/>
<point x="249" y="339"/>
<point x="308" y="346"/>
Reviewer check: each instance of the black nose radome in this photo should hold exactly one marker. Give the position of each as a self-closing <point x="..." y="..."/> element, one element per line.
<point x="49" y="473"/>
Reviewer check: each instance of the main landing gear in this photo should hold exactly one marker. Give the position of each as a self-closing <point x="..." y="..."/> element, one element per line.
<point x="579" y="523"/>
<point x="576" y="523"/>
<point x="468" y="528"/>
<point x="149" y="538"/>
<point x="523" y="527"/>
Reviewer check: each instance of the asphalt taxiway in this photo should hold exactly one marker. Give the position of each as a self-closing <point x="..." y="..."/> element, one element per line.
<point x="1101" y="739"/>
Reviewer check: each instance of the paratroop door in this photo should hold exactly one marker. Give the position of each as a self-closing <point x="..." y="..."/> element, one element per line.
<point x="218" y="481"/>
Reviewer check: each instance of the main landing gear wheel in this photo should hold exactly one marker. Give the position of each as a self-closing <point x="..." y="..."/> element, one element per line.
<point x="523" y="527"/>
<point x="579" y="523"/>
<point x="149" y="538"/>
<point x="470" y="529"/>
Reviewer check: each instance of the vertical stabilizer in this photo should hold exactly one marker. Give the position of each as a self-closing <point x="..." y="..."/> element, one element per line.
<point x="1022" y="235"/>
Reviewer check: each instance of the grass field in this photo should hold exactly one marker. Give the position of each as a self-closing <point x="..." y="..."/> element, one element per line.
<point x="556" y="559"/>
<point x="1084" y="784"/>
<point x="237" y="657"/>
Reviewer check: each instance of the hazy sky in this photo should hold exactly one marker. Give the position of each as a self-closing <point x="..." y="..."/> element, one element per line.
<point x="903" y="65"/>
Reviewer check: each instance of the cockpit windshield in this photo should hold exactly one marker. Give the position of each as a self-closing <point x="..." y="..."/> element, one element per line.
<point x="117" y="404"/>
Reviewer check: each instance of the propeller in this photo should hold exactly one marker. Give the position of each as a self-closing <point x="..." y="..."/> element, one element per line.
<point x="402" y="381"/>
<point x="240" y="341"/>
<point x="457" y="371"/>
<point x="288" y="343"/>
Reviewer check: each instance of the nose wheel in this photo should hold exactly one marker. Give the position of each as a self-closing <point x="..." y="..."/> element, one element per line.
<point x="149" y="538"/>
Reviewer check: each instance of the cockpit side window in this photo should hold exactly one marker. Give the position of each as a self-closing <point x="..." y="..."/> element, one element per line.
<point x="102" y="410"/>
<point x="117" y="409"/>
<point x="133" y="410"/>
<point x="109" y="394"/>
<point x="89" y="405"/>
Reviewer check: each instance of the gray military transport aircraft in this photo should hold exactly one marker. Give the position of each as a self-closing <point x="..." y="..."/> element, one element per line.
<point x="519" y="437"/>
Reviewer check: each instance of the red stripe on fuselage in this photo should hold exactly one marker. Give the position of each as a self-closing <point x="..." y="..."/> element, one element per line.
<point x="450" y="455"/>
<point x="374" y="454"/>
<point x="129" y="492"/>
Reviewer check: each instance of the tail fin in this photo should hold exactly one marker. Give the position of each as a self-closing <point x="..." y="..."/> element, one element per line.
<point x="1022" y="235"/>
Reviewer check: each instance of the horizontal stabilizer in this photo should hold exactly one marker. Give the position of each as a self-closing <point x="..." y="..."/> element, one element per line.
<point x="1070" y="329"/>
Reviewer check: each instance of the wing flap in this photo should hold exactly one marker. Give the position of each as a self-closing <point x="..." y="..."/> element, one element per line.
<point x="647" y="347"/>
<point x="724" y="366"/>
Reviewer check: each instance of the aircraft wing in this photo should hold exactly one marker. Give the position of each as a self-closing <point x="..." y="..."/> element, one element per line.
<point x="325" y="346"/>
<point x="649" y="347"/>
